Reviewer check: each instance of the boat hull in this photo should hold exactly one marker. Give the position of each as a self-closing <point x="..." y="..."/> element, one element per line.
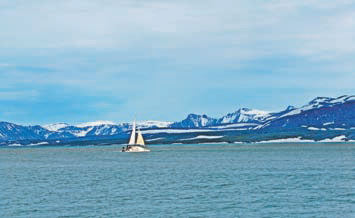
<point x="135" y="148"/>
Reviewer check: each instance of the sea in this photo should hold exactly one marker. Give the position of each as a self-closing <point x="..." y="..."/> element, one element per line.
<point x="217" y="180"/>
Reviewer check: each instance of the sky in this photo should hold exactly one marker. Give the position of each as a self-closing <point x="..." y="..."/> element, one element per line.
<point x="76" y="61"/>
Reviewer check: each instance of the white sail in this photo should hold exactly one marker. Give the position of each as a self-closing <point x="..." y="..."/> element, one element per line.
<point x="136" y="143"/>
<point x="132" y="140"/>
<point x="140" y="140"/>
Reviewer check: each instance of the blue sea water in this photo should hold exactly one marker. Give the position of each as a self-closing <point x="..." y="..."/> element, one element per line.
<point x="270" y="180"/>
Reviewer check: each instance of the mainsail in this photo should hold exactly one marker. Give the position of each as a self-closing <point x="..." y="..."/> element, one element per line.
<point x="140" y="140"/>
<point x="132" y="140"/>
<point x="136" y="140"/>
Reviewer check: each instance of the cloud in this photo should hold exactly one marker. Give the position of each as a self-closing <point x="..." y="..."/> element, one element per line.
<point x="214" y="30"/>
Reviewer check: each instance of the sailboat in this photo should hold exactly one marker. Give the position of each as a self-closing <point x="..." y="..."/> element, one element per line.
<point x="136" y="141"/>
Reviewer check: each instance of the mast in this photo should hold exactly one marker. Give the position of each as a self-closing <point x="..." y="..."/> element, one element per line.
<point x="132" y="140"/>
<point x="140" y="140"/>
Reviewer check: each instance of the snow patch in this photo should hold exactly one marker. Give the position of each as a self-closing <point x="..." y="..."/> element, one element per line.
<point x="314" y="128"/>
<point x="39" y="143"/>
<point x="156" y="139"/>
<point x="337" y="129"/>
<point x="213" y="143"/>
<point x="153" y="131"/>
<point x="298" y="139"/>
<point x="14" y="145"/>
<point x="340" y="138"/>
<point x="329" y="123"/>
<point x="204" y="137"/>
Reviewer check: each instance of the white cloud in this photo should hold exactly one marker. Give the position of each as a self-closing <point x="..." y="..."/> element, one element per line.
<point x="234" y="30"/>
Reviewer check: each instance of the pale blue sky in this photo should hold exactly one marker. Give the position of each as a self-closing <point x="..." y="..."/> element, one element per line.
<point x="77" y="61"/>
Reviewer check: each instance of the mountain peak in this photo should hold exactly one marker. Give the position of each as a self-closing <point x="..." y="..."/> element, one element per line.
<point x="290" y="107"/>
<point x="192" y="115"/>
<point x="96" y="123"/>
<point x="194" y="120"/>
<point x="244" y="115"/>
<point x="55" y="126"/>
<point x="319" y="100"/>
<point x="328" y="100"/>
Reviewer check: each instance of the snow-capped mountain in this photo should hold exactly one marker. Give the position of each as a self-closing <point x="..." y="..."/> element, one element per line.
<point x="244" y="115"/>
<point x="321" y="102"/>
<point x="195" y="121"/>
<point x="10" y="131"/>
<point x="322" y="118"/>
<point x="97" y="128"/>
<point x="321" y="112"/>
<point x="55" y="127"/>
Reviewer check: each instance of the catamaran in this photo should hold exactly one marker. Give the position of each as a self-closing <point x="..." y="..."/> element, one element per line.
<point x="136" y="141"/>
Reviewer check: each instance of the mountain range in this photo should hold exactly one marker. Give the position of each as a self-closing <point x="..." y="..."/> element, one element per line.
<point x="322" y="119"/>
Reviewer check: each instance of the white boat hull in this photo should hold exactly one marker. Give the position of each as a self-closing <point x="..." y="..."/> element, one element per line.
<point x="135" y="148"/>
